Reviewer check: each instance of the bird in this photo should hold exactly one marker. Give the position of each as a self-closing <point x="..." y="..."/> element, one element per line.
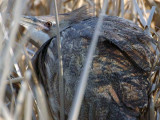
<point x="118" y="83"/>
<point x="41" y="28"/>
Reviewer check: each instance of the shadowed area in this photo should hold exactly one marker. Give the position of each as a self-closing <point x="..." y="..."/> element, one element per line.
<point x="117" y="86"/>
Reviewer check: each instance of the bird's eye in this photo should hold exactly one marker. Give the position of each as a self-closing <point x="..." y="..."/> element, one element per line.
<point x="48" y="24"/>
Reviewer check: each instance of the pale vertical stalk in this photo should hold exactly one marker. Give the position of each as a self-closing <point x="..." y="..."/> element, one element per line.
<point x="116" y="6"/>
<point x="20" y="100"/>
<point x="17" y="70"/>
<point x="12" y="104"/>
<point x="151" y="16"/>
<point x="28" y="106"/>
<point x="80" y="3"/>
<point x="133" y="11"/>
<point x="5" y="113"/>
<point x="61" y="82"/>
<point x="76" y="105"/>
<point x="122" y="8"/>
<point x="7" y="60"/>
<point x="144" y="9"/>
<point x="147" y="27"/>
<point x="42" y="104"/>
<point x="16" y="65"/>
<point x="3" y="32"/>
<point x="51" y="8"/>
<point x="138" y="10"/>
<point x="3" y="17"/>
<point x="21" y="96"/>
<point x="151" y="108"/>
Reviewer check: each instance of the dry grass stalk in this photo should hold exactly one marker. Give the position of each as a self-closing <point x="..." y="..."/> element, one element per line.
<point x="15" y="80"/>
<point x="43" y="110"/>
<point x="20" y="100"/>
<point x="61" y="82"/>
<point x="7" y="58"/>
<point x="28" y="107"/>
<point x="76" y="105"/>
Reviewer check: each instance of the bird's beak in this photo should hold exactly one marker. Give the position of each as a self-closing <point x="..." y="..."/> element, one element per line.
<point x="33" y="22"/>
<point x="35" y="28"/>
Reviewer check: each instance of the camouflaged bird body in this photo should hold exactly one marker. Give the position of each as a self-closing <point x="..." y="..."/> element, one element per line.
<point x="117" y="85"/>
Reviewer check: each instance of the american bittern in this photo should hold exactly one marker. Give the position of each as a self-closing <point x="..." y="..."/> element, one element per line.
<point x="118" y="82"/>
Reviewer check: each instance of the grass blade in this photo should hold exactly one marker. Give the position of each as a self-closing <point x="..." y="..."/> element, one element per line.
<point x="84" y="75"/>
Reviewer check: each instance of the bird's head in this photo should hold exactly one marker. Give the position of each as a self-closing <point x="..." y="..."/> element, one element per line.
<point x="41" y="28"/>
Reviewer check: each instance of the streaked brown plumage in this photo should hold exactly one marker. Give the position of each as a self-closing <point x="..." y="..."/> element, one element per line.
<point x="118" y="82"/>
